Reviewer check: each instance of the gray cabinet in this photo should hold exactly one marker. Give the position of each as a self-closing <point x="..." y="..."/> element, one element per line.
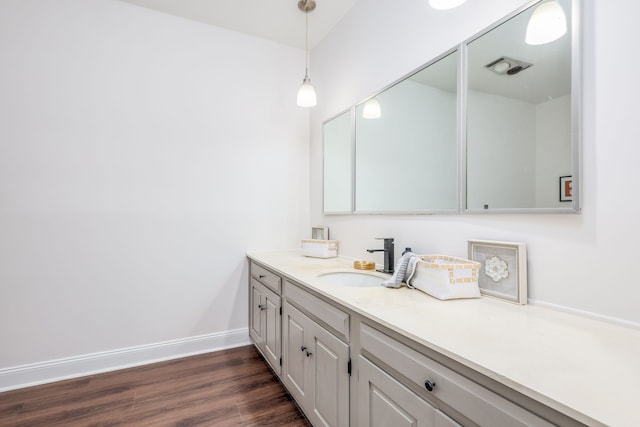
<point x="265" y="320"/>
<point x="315" y="369"/>
<point x="307" y="335"/>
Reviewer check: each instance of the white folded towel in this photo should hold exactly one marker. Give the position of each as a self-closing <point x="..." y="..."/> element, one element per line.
<point x="404" y="270"/>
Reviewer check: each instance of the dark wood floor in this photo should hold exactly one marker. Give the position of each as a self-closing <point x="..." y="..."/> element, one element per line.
<point x="226" y="388"/>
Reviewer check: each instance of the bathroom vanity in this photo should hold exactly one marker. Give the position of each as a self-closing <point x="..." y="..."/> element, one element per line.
<point x="373" y="356"/>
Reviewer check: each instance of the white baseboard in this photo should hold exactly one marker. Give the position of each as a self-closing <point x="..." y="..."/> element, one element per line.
<point x="73" y="367"/>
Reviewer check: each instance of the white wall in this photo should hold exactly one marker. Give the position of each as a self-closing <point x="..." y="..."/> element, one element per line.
<point x="141" y="156"/>
<point x="585" y="261"/>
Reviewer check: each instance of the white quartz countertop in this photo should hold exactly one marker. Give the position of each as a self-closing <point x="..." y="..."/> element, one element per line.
<point x="585" y="368"/>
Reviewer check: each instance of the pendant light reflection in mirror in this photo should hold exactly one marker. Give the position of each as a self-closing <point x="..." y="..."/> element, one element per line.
<point x="372" y="109"/>
<point x="306" y="93"/>
<point x="547" y="23"/>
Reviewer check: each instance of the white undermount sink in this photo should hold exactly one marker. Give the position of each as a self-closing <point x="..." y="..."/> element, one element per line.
<point x="354" y="279"/>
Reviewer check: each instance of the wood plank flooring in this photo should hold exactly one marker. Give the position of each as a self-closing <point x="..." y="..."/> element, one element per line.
<point x="227" y="388"/>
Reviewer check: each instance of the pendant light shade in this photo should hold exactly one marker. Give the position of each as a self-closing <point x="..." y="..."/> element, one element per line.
<point x="547" y="23"/>
<point x="306" y="93"/>
<point x="445" y="4"/>
<point x="371" y="109"/>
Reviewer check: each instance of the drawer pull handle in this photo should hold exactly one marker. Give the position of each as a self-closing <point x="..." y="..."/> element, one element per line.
<point x="429" y="385"/>
<point x="309" y="354"/>
<point x="262" y="307"/>
<point x="262" y="276"/>
<point x="303" y="348"/>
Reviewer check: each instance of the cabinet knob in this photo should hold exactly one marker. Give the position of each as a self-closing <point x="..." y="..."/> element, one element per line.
<point x="429" y="385"/>
<point x="262" y="307"/>
<point x="303" y="348"/>
<point x="309" y="354"/>
<point x="261" y="276"/>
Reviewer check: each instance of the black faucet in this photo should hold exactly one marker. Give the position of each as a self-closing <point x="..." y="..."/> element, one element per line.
<point x="388" y="254"/>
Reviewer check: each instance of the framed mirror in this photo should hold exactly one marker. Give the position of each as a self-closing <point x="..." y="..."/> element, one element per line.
<point x="522" y="127"/>
<point x="500" y="136"/>
<point x="406" y="144"/>
<point x="337" y="139"/>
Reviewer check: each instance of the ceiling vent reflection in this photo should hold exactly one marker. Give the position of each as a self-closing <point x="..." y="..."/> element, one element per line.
<point x="506" y="66"/>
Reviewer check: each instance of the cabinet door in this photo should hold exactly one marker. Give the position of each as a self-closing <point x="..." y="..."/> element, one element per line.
<point x="315" y="372"/>
<point x="272" y="346"/>
<point x="257" y="318"/>
<point x="329" y="366"/>
<point x="383" y="401"/>
<point x="297" y="331"/>
<point x="265" y="323"/>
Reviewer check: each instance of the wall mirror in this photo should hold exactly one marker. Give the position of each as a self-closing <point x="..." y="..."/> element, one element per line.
<point x="510" y="118"/>
<point x="406" y="144"/>
<point x="337" y="167"/>
<point x="521" y="138"/>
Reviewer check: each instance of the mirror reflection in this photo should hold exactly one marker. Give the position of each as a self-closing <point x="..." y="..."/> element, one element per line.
<point x="406" y="149"/>
<point x="519" y="127"/>
<point x="336" y="134"/>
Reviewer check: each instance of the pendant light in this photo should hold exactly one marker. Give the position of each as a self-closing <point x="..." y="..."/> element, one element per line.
<point x="547" y="23"/>
<point x="445" y="4"/>
<point x="306" y="93"/>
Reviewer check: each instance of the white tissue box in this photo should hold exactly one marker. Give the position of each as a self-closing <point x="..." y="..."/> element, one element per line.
<point x="446" y="277"/>
<point x="320" y="248"/>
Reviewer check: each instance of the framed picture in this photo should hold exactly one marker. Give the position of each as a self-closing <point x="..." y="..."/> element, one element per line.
<point x="503" y="271"/>
<point x="566" y="186"/>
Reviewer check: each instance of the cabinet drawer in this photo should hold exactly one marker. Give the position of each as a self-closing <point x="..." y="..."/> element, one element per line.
<point x="475" y="402"/>
<point x="333" y="317"/>
<point x="267" y="277"/>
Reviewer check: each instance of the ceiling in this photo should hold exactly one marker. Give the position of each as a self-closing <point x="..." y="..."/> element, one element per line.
<point x="276" y="20"/>
<point x="281" y="21"/>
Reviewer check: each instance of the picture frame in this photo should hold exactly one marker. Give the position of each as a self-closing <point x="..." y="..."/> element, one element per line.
<point x="503" y="271"/>
<point x="566" y="188"/>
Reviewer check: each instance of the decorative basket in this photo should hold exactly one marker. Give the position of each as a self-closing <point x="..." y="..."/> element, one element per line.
<point x="320" y="248"/>
<point x="446" y="277"/>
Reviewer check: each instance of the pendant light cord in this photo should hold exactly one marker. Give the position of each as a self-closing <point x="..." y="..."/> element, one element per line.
<point x="306" y="44"/>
